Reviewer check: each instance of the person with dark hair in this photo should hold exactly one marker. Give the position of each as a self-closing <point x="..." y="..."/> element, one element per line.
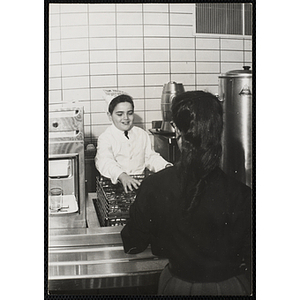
<point x="124" y="149"/>
<point x="193" y="213"/>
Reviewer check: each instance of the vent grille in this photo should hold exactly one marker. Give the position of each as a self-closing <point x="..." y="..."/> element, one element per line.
<point x="224" y="18"/>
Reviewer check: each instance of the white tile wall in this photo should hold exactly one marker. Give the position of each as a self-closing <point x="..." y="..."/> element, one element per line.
<point x="55" y="71"/>
<point x="181" y="8"/>
<point x="130" y="55"/>
<point x="78" y="94"/>
<point x="108" y="43"/>
<point x="103" y="68"/>
<point x="54" y="8"/>
<point x="102" y="31"/>
<point x="139" y="105"/>
<point x="70" y="57"/>
<point x="181" y="19"/>
<point x="54" y="33"/>
<point x="207" y="56"/>
<point x="54" y="20"/>
<point x="74" y="44"/>
<point x="154" y="7"/>
<point x="182" y="55"/>
<point x="156" y="55"/>
<point x="129" y="18"/>
<point x="183" y="43"/>
<point x="73" y="8"/>
<point x="185" y="79"/>
<point x="135" y="47"/>
<point x="73" y="19"/>
<point x="183" y="67"/>
<point x="130" y="80"/>
<point x="156" y="30"/>
<point x="228" y="44"/>
<point x="157" y="67"/>
<point x="103" y="7"/>
<point x="75" y="82"/>
<point x="55" y="58"/>
<point x="129" y="30"/>
<point x="54" y="45"/>
<point x="181" y="31"/>
<point x="55" y="83"/>
<point x="130" y="68"/>
<point x="154" y="92"/>
<point x="156" y="79"/>
<point x="129" y="7"/>
<point x="207" y="44"/>
<point x="68" y="32"/>
<point x="211" y="67"/>
<point x="225" y="67"/>
<point x="232" y="56"/>
<point x="156" y="18"/>
<point x="104" y="18"/>
<point x="130" y="43"/>
<point x="75" y="70"/>
<point x="156" y="43"/>
<point x="103" y="81"/>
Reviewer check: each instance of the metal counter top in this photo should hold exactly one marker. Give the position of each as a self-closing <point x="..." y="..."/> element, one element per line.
<point x="93" y="259"/>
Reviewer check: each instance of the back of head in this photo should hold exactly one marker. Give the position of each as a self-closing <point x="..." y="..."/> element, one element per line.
<point x="199" y="117"/>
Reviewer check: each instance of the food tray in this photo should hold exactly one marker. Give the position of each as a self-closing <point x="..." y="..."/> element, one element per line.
<point x="70" y="204"/>
<point x="112" y="203"/>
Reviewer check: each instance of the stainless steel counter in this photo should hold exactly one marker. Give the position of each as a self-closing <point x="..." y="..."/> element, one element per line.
<point x="92" y="260"/>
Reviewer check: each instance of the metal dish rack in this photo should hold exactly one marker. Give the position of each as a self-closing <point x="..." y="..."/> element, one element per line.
<point x="112" y="203"/>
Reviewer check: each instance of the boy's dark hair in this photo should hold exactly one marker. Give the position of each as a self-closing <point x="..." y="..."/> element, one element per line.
<point x="121" y="98"/>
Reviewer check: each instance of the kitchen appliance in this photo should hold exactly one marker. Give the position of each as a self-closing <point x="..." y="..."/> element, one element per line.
<point x="66" y="167"/>
<point x="235" y="91"/>
<point x="165" y="144"/>
<point x="170" y="90"/>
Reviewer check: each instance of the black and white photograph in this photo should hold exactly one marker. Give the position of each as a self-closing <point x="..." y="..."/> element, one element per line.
<point x="150" y="182"/>
<point x="86" y="217"/>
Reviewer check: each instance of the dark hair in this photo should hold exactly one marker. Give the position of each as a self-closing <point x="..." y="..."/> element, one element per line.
<point x="121" y="98"/>
<point x="199" y="117"/>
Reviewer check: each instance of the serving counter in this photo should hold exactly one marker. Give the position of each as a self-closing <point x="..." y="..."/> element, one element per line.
<point x="92" y="261"/>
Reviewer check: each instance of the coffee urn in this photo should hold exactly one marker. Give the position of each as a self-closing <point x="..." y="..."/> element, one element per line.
<point x="235" y="91"/>
<point x="170" y="90"/>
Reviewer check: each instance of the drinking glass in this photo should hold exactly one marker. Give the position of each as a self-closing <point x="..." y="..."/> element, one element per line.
<point x="56" y="198"/>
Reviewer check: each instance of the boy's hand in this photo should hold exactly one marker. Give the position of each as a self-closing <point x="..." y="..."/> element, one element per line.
<point x="128" y="182"/>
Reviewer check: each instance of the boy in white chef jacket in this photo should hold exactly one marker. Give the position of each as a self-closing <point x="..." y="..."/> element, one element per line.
<point x="124" y="149"/>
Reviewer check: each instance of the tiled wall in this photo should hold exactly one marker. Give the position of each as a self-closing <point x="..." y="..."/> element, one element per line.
<point x="135" y="48"/>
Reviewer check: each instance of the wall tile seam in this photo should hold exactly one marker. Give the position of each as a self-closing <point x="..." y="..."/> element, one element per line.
<point x="60" y="57"/>
<point x="89" y="71"/>
<point x="148" y="50"/>
<point x="144" y="58"/>
<point x="127" y="86"/>
<point x="148" y="61"/>
<point x="133" y="37"/>
<point x="122" y="12"/>
<point x="140" y="36"/>
<point x="151" y="74"/>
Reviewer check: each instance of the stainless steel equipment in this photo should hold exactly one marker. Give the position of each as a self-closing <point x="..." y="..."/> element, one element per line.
<point x="66" y="167"/>
<point x="93" y="261"/>
<point x="235" y="90"/>
<point x="170" y="90"/>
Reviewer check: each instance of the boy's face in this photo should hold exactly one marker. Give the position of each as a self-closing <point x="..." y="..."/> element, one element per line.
<point x="122" y="116"/>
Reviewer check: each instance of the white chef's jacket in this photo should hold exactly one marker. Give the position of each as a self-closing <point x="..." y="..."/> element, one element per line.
<point x="117" y="154"/>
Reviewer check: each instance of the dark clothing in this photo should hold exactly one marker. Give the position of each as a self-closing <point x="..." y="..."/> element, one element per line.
<point x="207" y="245"/>
<point x="172" y="285"/>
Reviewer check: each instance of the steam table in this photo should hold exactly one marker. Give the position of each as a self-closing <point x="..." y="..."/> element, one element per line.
<point x="92" y="261"/>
